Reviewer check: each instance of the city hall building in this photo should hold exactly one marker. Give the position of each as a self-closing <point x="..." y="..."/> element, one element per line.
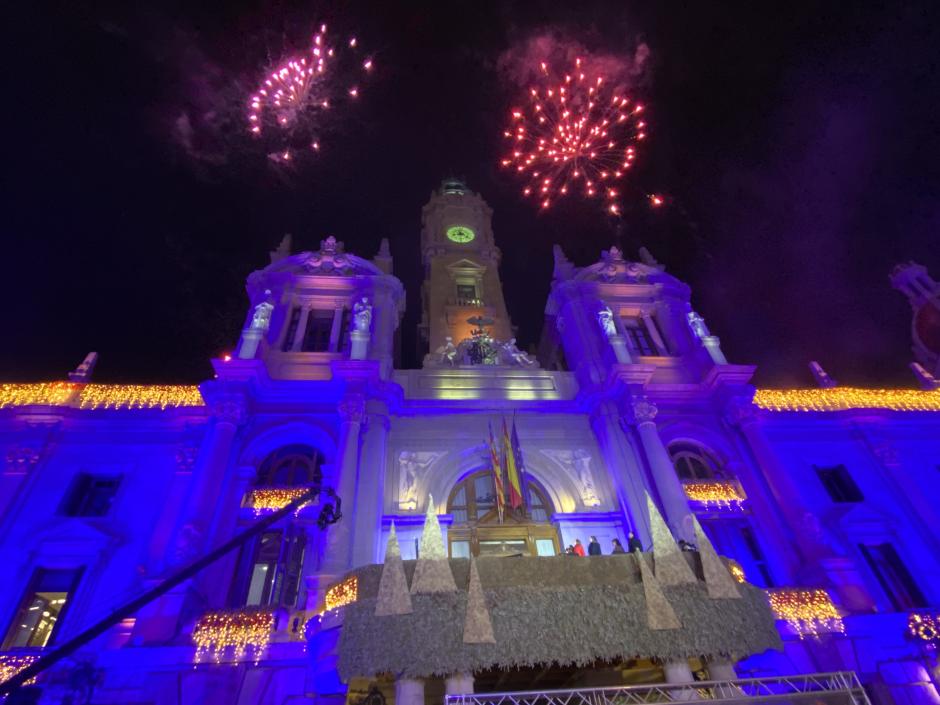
<point x="433" y="555"/>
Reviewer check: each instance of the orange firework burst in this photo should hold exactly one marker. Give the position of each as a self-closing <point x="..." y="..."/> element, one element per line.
<point x="287" y="105"/>
<point x="577" y="135"/>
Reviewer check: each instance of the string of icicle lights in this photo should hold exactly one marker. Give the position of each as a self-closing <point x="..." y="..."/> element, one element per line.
<point x="842" y="398"/>
<point x="237" y="633"/>
<point x="714" y="495"/>
<point x="101" y="396"/>
<point x="808" y="611"/>
<point x="269" y="499"/>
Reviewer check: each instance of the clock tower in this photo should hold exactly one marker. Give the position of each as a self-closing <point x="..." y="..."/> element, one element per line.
<point x="461" y="267"/>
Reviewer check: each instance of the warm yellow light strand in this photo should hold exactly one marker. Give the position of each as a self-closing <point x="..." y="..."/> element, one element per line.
<point x="843" y="398"/>
<point x="925" y="627"/>
<point x="237" y="632"/>
<point x="807" y="611"/>
<point x="11" y="664"/>
<point x="724" y="495"/>
<point x="268" y="499"/>
<point x="40" y="394"/>
<point x="342" y="594"/>
<point x="100" y="396"/>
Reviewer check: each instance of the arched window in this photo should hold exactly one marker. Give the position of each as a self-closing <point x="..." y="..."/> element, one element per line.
<point x="270" y="566"/>
<point x="477" y="529"/>
<point x="695" y="464"/>
<point x="290" y="466"/>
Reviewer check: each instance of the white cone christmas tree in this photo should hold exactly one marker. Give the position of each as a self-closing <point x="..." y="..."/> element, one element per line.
<point x="477" y="627"/>
<point x="659" y="613"/>
<point x="432" y="569"/>
<point x="393" y="597"/>
<point x="718" y="578"/>
<point x="671" y="566"/>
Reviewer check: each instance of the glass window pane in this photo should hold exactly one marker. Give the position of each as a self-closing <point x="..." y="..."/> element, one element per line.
<point x="460" y="516"/>
<point x="484" y="488"/>
<point x="489" y="548"/>
<point x="538" y="514"/>
<point x="460" y="499"/>
<point x="544" y="547"/>
<point x="259" y="580"/>
<point x="459" y="549"/>
<point x="38" y="616"/>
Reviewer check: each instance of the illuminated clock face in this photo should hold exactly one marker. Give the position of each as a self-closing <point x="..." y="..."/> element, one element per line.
<point x="459" y="233"/>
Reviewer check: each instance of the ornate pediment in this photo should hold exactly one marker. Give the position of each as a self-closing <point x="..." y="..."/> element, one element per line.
<point x="330" y="260"/>
<point x="614" y="269"/>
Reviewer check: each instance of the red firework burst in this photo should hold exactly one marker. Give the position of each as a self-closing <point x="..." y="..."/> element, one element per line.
<point x="577" y="135"/>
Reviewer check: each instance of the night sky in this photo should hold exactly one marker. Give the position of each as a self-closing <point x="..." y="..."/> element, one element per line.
<point x="797" y="145"/>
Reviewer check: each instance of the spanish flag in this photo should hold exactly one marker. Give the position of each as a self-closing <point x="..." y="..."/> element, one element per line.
<point x="512" y="469"/>
<point x="497" y="476"/>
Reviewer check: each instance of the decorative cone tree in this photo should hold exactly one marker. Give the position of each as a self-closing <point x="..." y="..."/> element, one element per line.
<point x="659" y="613"/>
<point x="718" y="578"/>
<point x="393" y="597"/>
<point x="432" y="569"/>
<point x="671" y="566"/>
<point x="477" y="627"/>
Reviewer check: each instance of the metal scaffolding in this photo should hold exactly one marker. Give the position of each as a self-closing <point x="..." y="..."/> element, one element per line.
<point x="841" y="688"/>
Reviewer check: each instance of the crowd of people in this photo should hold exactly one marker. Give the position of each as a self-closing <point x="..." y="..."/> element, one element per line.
<point x="594" y="546"/>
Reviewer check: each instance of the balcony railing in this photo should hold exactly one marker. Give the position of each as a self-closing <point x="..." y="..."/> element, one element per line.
<point x="469" y="303"/>
<point x="829" y="688"/>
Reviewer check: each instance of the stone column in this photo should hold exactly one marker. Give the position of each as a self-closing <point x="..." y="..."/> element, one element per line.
<point x="409" y="691"/>
<point x="459" y="684"/>
<point x="298" y="342"/>
<point x="198" y="509"/>
<point x="339" y="539"/>
<point x="619" y="344"/>
<point x="678" y="673"/>
<point x="713" y="346"/>
<point x="721" y="670"/>
<point x="671" y="493"/>
<point x="370" y="487"/>
<point x="743" y="414"/>
<point x="653" y="330"/>
<point x="820" y="560"/>
<point x="623" y="468"/>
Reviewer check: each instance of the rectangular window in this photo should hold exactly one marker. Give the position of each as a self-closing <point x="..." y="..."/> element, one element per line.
<point x="466" y="292"/>
<point x="459" y="549"/>
<point x="319" y="328"/>
<point x="42" y="608"/>
<point x="893" y="576"/>
<point x="839" y="484"/>
<point x="640" y="339"/>
<point x="545" y="547"/>
<point x="291" y="329"/>
<point x="91" y="495"/>
<point x="757" y="555"/>
<point x="269" y="570"/>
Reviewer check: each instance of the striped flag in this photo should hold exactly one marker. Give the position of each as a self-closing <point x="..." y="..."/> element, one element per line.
<point x="520" y="461"/>
<point x="497" y="476"/>
<point x="512" y="470"/>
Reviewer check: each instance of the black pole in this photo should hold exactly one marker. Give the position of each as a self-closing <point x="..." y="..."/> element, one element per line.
<point x="328" y="515"/>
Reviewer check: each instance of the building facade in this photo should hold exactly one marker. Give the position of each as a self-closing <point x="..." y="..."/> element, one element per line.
<point x="827" y="498"/>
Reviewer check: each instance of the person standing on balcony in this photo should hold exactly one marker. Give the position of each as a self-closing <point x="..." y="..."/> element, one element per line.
<point x="578" y="548"/>
<point x="618" y="547"/>
<point x="594" y="548"/>
<point x="633" y="543"/>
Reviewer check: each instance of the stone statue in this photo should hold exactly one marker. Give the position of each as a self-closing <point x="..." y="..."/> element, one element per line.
<point x="261" y="318"/>
<point x="514" y="356"/>
<point x="697" y="324"/>
<point x="408" y="481"/>
<point x="362" y="315"/>
<point x="605" y="318"/>
<point x="582" y="463"/>
<point x="446" y="354"/>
